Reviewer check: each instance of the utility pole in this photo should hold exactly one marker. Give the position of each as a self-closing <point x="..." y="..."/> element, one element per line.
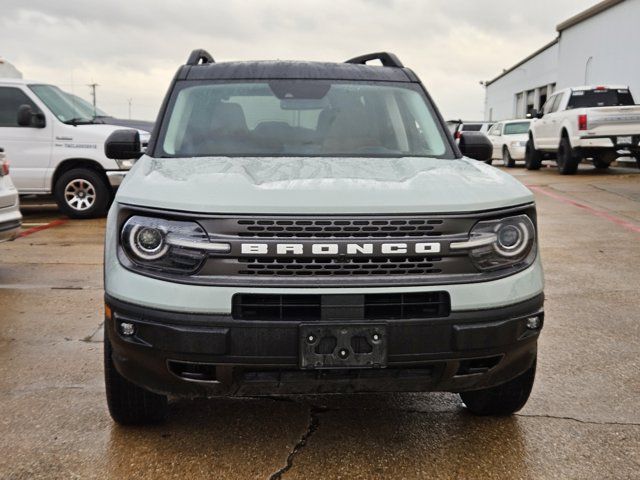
<point x="130" y="102"/>
<point x="93" y="86"/>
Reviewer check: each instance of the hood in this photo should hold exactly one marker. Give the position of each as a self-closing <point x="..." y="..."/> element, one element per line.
<point x="319" y="185"/>
<point x="142" y="125"/>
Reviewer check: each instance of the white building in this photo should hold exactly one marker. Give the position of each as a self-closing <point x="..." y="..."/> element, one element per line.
<point x="597" y="46"/>
<point x="8" y="71"/>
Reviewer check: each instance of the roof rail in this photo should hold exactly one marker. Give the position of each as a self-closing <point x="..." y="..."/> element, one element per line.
<point x="387" y="59"/>
<point x="200" y="56"/>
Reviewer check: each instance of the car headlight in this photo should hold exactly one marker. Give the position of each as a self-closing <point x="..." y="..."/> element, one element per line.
<point x="515" y="144"/>
<point x="495" y="244"/>
<point x="167" y="245"/>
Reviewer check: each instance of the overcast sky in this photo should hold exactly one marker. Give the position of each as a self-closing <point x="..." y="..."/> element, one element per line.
<point x="132" y="48"/>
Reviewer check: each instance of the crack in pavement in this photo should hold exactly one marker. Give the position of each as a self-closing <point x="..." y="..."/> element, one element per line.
<point x="587" y="422"/>
<point x="312" y="426"/>
<point x="89" y="338"/>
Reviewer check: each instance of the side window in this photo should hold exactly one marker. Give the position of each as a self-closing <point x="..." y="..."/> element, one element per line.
<point x="556" y="103"/>
<point x="10" y="100"/>
<point x="549" y="104"/>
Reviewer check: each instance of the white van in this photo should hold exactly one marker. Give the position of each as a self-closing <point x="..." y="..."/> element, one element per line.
<point x="56" y="148"/>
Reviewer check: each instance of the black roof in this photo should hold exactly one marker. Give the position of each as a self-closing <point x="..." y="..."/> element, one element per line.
<point x="208" y="70"/>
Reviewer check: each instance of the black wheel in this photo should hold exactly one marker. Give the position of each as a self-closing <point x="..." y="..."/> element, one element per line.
<point x="129" y="404"/>
<point x="603" y="160"/>
<point x="504" y="399"/>
<point x="82" y="193"/>
<point x="567" y="160"/>
<point x="532" y="157"/>
<point x="506" y="158"/>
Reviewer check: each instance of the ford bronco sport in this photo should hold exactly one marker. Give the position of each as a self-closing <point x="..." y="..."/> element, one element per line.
<point x="302" y="228"/>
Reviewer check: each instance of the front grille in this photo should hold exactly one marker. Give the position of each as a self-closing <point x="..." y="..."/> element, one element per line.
<point x="348" y="307"/>
<point x="340" y="228"/>
<point x="339" y="266"/>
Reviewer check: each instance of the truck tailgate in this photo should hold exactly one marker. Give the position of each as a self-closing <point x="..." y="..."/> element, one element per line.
<point x="622" y="120"/>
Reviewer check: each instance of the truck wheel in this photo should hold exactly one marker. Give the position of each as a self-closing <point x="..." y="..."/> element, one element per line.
<point x="532" y="157"/>
<point x="129" y="404"/>
<point x="82" y="193"/>
<point x="567" y="160"/>
<point x="506" y="158"/>
<point x="504" y="399"/>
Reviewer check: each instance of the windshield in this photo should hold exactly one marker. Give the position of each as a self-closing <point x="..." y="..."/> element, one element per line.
<point x="61" y="105"/>
<point x="301" y="118"/>
<point x="84" y="107"/>
<point x="600" y="97"/>
<point x="516" y="128"/>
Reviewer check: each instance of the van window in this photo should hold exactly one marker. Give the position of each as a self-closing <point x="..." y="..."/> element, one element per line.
<point x="10" y="100"/>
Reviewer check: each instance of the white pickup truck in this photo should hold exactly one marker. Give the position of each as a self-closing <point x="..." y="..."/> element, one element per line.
<point x="585" y="122"/>
<point x="57" y="147"/>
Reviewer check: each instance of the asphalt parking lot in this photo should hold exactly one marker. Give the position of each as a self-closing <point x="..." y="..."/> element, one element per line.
<point x="582" y="421"/>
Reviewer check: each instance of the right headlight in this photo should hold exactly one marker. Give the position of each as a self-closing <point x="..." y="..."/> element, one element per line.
<point x="495" y="244"/>
<point x="167" y="245"/>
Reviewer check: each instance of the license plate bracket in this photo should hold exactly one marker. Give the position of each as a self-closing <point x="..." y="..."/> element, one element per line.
<point x="331" y="346"/>
<point x="625" y="141"/>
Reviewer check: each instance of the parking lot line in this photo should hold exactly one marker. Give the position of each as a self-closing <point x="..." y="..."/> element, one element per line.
<point x="54" y="223"/>
<point x="593" y="211"/>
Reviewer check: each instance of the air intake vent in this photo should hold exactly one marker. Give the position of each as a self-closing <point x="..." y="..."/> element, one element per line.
<point x="397" y="306"/>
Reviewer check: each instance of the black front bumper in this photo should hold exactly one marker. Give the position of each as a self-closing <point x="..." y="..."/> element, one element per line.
<point x="202" y="355"/>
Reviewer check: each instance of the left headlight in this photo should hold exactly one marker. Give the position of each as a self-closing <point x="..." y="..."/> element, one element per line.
<point x="167" y="245"/>
<point x="495" y="244"/>
<point x="125" y="164"/>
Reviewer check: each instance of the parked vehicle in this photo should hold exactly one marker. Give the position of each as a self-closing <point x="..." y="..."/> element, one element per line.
<point x="576" y="123"/>
<point x="509" y="140"/>
<point x="288" y="232"/>
<point x="456" y="127"/>
<point x="57" y="149"/>
<point x="100" y="116"/>
<point x="10" y="217"/>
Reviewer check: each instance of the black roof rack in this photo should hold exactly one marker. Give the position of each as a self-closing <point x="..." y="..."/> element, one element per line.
<point x="200" y="56"/>
<point x="387" y="59"/>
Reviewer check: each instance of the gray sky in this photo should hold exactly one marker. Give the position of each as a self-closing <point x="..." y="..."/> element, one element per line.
<point x="132" y="48"/>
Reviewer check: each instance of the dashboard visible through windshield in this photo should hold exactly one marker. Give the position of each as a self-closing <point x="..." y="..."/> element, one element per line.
<point x="301" y="118"/>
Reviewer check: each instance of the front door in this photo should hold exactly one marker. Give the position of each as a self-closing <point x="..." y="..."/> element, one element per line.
<point x="28" y="149"/>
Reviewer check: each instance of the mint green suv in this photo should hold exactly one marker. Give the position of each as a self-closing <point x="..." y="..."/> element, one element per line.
<point x="308" y="228"/>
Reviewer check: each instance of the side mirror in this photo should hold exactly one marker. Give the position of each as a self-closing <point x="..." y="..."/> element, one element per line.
<point x="539" y="114"/>
<point x="476" y="145"/>
<point x="123" y="145"/>
<point x="28" y="118"/>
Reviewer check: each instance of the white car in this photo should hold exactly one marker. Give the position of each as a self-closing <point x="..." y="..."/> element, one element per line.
<point x="509" y="140"/>
<point x="56" y="149"/>
<point x="10" y="217"/>
<point x="585" y="122"/>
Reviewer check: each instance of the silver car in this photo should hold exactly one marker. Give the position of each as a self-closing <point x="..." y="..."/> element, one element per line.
<point x="10" y="217"/>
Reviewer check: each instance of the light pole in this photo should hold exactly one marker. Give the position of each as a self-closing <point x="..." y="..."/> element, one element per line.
<point x="586" y="69"/>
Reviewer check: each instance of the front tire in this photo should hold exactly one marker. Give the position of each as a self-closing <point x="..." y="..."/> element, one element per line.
<point x="129" y="404"/>
<point x="506" y="158"/>
<point x="504" y="399"/>
<point x="82" y="193"/>
<point x="532" y="157"/>
<point x="567" y="160"/>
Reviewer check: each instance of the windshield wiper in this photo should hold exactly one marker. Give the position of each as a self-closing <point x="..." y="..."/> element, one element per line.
<point x="79" y="121"/>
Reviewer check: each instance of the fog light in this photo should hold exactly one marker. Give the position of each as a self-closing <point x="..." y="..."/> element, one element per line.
<point x="533" y="323"/>
<point x="127" y="329"/>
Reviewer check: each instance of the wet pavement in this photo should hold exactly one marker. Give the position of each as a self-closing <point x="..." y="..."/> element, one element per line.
<point x="582" y="421"/>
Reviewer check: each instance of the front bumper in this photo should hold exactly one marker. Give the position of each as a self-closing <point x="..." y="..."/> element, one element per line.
<point x="191" y="354"/>
<point x="10" y="222"/>
<point x="517" y="153"/>
<point x="116" y="177"/>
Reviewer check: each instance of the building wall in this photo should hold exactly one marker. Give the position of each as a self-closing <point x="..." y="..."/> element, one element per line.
<point x="603" y="47"/>
<point x="539" y="71"/>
